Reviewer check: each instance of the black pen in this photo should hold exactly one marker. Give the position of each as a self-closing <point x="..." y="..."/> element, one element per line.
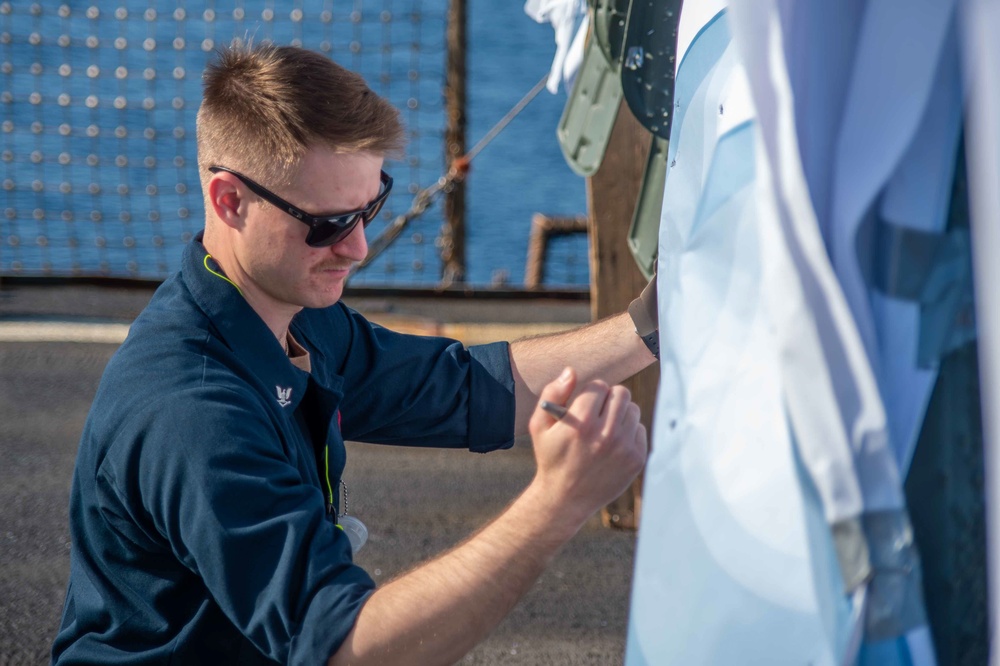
<point x="552" y="408"/>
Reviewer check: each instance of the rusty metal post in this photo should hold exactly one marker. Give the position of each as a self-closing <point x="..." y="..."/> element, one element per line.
<point x="452" y="239"/>
<point x="544" y="227"/>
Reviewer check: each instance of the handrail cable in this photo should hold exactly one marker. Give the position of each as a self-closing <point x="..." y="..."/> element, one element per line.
<point x="423" y="199"/>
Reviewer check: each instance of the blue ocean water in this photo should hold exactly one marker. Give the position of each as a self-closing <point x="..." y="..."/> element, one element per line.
<point x="98" y="102"/>
<point x="523" y="170"/>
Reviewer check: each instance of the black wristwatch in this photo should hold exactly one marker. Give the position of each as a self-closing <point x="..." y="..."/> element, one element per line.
<point x="652" y="341"/>
<point x="646" y="325"/>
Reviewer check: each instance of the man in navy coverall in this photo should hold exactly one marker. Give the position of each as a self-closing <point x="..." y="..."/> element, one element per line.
<point x="204" y="511"/>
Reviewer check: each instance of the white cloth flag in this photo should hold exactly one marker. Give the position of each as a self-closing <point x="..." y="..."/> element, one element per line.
<point x="723" y="563"/>
<point x="772" y="446"/>
<point x="570" y="22"/>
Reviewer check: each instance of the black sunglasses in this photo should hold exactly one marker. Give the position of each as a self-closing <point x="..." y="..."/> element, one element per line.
<point x="324" y="230"/>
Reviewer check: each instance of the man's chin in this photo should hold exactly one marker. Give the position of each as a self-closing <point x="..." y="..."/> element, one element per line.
<point x="324" y="298"/>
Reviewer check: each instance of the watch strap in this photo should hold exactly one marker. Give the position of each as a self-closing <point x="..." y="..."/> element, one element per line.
<point x="643" y="313"/>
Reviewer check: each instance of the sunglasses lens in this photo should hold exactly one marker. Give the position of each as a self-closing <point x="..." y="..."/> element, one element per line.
<point x="332" y="232"/>
<point x="336" y="229"/>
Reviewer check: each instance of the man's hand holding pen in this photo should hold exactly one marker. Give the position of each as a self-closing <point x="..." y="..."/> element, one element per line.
<point x="589" y="450"/>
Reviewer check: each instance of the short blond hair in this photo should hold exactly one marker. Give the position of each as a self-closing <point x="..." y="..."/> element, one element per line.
<point x="264" y="106"/>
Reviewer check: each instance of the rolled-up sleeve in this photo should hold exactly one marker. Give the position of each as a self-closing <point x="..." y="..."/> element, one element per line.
<point x="491" y="419"/>
<point x="421" y="390"/>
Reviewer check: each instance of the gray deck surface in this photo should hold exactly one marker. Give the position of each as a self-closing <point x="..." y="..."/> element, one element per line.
<point x="416" y="503"/>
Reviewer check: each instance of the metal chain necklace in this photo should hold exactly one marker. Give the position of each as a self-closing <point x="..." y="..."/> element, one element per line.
<point x="355" y="530"/>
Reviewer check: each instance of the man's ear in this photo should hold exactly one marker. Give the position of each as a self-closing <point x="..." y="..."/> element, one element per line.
<point x="226" y="195"/>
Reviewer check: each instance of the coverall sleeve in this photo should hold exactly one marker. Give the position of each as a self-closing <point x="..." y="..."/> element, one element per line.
<point x="422" y="391"/>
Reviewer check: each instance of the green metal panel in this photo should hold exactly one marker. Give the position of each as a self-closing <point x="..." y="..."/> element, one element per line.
<point x="610" y="18"/>
<point x="590" y="112"/>
<point x="643" y="236"/>
<point x="647" y="65"/>
<point x="635" y="43"/>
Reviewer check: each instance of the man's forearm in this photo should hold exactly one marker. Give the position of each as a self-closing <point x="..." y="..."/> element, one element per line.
<point x="609" y="350"/>
<point x="439" y="611"/>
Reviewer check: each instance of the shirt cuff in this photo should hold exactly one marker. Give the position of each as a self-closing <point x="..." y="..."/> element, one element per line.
<point x="491" y="398"/>
<point x="330" y="618"/>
